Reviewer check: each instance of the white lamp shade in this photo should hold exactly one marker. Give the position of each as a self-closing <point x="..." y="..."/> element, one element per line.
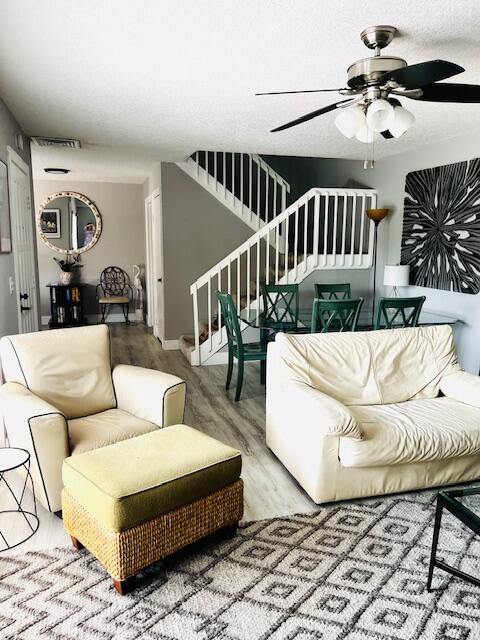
<point x="365" y="134"/>
<point x="349" y="121"/>
<point x="380" y="115"/>
<point x="397" y="275"/>
<point x="402" y="120"/>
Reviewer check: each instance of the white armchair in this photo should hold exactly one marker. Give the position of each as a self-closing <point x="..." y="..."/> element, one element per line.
<point x="61" y="398"/>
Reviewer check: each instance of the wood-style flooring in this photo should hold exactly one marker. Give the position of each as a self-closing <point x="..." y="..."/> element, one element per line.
<point x="269" y="489"/>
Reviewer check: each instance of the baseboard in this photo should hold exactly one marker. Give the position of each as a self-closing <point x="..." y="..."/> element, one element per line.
<point x="94" y="318"/>
<point x="170" y="345"/>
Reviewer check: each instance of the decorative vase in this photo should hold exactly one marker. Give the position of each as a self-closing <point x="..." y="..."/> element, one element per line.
<point x="66" y="277"/>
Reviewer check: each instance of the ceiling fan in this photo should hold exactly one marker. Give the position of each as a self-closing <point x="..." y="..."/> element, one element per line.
<point x="371" y="106"/>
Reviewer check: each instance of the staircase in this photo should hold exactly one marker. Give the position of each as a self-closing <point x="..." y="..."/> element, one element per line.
<point x="242" y="182"/>
<point x="323" y="229"/>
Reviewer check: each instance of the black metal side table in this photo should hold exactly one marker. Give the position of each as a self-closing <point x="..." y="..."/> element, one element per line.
<point x="464" y="504"/>
<point x="11" y="459"/>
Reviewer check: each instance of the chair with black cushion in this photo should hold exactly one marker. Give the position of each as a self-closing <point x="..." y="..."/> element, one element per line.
<point x="398" y="312"/>
<point x="280" y="309"/>
<point x="335" y="315"/>
<point x="114" y="288"/>
<point x="333" y="291"/>
<point x="236" y="348"/>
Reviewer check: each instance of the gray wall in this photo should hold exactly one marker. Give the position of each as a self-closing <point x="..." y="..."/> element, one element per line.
<point x="122" y="242"/>
<point x="9" y="128"/>
<point x="198" y="232"/>
<point x="388" y="178"/>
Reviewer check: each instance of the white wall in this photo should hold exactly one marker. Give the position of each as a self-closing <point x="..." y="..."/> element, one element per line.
<point x="388" y="178"/>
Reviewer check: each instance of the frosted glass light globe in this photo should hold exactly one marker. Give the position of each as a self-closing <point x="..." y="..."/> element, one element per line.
<point x="365" y="134"/>
<point x="349" y="121"/>
<point x="402" y="120"/>
<point x="380" y="115"/>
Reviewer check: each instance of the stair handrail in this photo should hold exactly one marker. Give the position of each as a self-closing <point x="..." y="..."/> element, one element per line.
<point x="271" y="171"/>
<point x="268" y="228"/>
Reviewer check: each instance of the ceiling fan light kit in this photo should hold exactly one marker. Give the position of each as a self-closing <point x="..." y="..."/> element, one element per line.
<point x="371" y="106"/>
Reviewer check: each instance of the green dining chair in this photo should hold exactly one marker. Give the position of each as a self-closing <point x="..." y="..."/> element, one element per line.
<point x="236" y="348"/>
<point x="398" y="312"/>
<point x="335" y="315"/>
<point x="333" y="291"/>
<point x="280" y="309"/>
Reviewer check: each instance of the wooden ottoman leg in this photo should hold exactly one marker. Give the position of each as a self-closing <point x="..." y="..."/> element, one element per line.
<point x="230" y="531"/>
<point x="124" y="586"/>
<point x="76" y="543"/>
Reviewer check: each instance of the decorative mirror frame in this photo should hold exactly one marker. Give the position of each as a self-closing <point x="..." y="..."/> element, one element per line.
<point x="69" y="194"/>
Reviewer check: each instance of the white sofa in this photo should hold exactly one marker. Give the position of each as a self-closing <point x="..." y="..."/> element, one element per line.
<point x="62" y="398"/>
<point x="370" y="413"/>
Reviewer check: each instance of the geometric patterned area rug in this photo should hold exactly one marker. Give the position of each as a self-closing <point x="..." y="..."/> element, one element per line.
<point x="351" y="571"/>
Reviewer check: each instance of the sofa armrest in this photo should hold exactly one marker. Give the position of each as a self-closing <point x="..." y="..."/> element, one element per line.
<point x="328" y="415"/>
<point x="40" y="428"/>
<point x="149" y="394"/>
<point x="462" y="386"/>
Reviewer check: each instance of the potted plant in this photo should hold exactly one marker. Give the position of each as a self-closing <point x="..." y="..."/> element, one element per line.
<point x="68" y="268"/>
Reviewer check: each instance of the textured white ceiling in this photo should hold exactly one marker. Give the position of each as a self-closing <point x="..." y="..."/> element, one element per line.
<point x="165" y="78"/>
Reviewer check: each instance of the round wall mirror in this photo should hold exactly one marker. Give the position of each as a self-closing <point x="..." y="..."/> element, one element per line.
<point x="68" y="222"/>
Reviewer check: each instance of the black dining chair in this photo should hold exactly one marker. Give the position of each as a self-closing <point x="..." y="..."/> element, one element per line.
<point x="398" y="312"/>
<point x="335" y="315"/>
<point x="236" y="347"/>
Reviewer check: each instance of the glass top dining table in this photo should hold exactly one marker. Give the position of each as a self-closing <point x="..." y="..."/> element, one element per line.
<point x="255" y="319"/>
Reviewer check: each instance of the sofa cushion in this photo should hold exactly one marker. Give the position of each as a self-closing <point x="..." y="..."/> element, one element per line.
<point x="104" y="428"/>
<point x="139" y="479"/>
<point x="370" y="367"/>
<point x="68" y="368"/>
<point x="414" y="431"/>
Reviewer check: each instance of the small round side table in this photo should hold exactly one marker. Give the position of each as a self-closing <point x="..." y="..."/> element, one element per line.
<point x="12" y="458"/>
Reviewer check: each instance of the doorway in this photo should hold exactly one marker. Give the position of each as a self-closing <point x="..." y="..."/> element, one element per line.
<point x="154" y="266"/>
<point x="23" y="242"/>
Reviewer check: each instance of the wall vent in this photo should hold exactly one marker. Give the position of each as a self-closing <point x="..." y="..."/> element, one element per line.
<point x="64" y="143"/>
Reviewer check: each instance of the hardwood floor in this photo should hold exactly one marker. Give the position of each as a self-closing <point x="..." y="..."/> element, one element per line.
<point x="269" y="489"/>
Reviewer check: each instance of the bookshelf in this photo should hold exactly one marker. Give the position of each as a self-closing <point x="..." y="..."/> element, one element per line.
<point x="66" y="305"/>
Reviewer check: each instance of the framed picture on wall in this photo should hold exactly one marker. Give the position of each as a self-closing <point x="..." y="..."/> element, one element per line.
<point x="5" y="229"/>
<point x="50" y="223"/>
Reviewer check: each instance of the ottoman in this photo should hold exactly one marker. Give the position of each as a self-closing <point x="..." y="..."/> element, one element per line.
<point x="139" y="500"/>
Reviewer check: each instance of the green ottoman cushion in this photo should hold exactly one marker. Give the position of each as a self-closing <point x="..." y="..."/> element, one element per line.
<point x="135" y="480"/>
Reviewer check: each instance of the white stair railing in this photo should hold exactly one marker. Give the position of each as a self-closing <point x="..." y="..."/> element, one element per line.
<point x="243" y="182"/>
<point x="324" y="229"/>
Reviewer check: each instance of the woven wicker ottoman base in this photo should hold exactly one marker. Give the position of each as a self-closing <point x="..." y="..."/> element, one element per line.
<point x="126" y="550"/>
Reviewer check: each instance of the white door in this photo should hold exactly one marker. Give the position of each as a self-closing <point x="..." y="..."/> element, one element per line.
<point x="159" y="322"/>
<point x="154" y="270"/>
<point x="23" y="242"/>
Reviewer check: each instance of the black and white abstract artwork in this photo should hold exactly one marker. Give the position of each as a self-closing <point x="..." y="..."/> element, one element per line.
<point x="441" y="227"/>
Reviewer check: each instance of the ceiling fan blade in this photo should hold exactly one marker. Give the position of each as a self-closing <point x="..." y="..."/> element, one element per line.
<point x="419" y="75"/>
<point x="450" y="92"/>
<point x="280" y="93"/>
<point x="311" y="115"/>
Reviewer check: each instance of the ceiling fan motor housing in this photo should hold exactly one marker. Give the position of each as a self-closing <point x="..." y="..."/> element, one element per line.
<point x="368" y="71"/>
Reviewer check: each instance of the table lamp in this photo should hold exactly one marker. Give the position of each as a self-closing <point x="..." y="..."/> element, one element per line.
<point x="377" y="215"/>
<point x="396" y="275"/>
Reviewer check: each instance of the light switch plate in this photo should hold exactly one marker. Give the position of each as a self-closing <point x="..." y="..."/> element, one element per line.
<point x="11" y="284"/>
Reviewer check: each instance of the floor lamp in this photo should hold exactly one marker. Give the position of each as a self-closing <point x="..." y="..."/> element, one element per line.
<point x="377" y="215"/>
